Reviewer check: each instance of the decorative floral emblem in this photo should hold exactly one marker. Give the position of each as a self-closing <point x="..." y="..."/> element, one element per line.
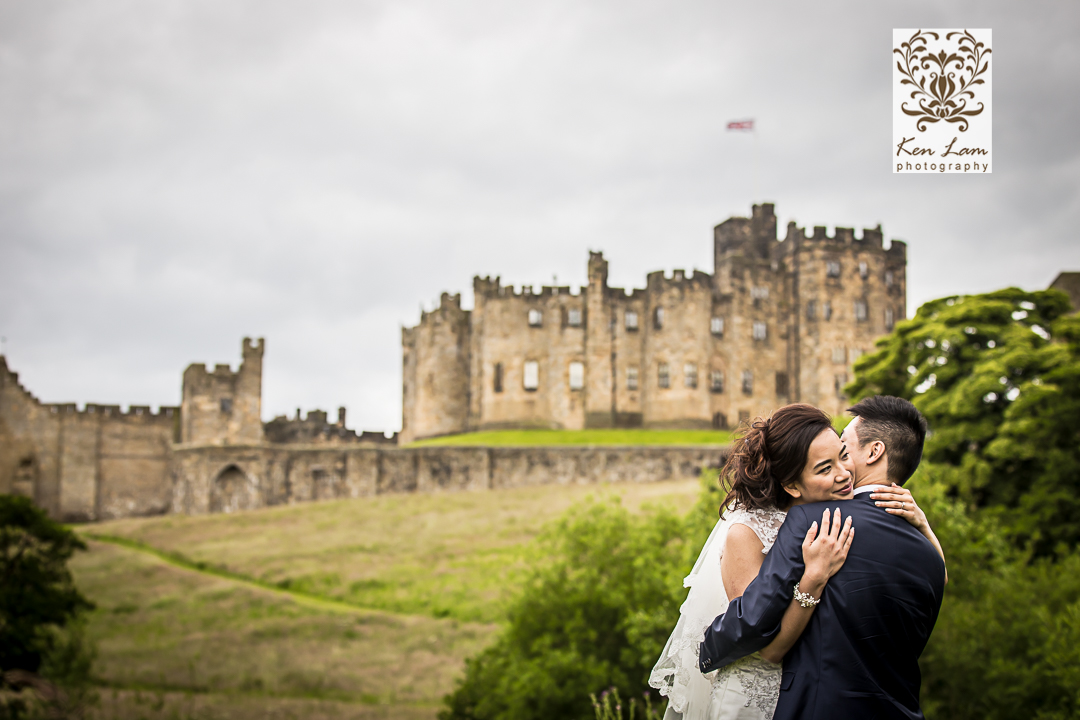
<point x="943" y="83"/>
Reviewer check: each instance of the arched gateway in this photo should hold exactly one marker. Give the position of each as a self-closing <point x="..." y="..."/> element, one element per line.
<point x="233" y="490"/>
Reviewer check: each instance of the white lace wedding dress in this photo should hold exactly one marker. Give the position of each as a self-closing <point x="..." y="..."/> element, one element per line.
<point x="744" y="690"/>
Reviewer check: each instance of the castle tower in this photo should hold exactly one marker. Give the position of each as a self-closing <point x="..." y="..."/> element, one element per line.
<point x="435" y="369"/>
<point x="223" y="407"/>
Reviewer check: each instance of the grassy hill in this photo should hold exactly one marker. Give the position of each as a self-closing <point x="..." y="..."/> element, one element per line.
<point x="631" y="436"/>
<point x="344" y="609"/>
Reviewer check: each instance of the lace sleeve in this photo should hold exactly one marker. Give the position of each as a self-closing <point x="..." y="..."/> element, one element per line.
<point x="765" y="524"/>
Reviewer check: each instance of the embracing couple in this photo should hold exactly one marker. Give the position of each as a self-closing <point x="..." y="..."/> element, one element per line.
<point x="789" y="615"/>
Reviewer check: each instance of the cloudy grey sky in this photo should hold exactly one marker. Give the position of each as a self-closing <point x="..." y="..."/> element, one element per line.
<point x="175" y="175"/>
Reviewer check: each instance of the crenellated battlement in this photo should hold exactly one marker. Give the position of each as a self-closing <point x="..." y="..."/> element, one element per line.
<point x="88" y="409"/>
<point x="13" y="380"/>
<point x="488" y="289"/>
<point x="449" y="308"/>
<point x="659" y="279"/>
<point x="316" y="429"/>
<point x="618" y="293"/>
<point x="797" y="237"/>
<point x="134" y="412"/>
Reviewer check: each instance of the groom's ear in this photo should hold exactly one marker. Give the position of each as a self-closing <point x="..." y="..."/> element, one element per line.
<point x="877" y="451"/>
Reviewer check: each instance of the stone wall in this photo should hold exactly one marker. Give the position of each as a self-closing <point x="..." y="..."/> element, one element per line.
<point x="505" y="340"/>
<point x="89" y="464"/>
<point x="214" y="478"/>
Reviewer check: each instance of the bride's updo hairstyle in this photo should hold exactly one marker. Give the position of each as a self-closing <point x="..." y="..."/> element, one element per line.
<point x="768" y="455"/>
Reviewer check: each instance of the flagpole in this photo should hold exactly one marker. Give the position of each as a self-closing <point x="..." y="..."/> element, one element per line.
<point x="744" y="125"/>
<point x="756" y="196"/>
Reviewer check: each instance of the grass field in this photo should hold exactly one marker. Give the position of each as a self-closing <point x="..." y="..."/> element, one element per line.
<point x="343" y="609"/>
<point x="634" y="436"/>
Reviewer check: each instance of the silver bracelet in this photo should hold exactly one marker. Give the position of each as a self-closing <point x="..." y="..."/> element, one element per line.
<point x="805" y="599"/>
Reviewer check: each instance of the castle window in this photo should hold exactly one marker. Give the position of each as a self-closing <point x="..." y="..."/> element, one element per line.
<point x="716" y="381"/>
<point x="759" y="292"/>
<point x="889" y="319"/>
<point x="854" y="354"/>
<point x="744" y="416"/>
<point x="632" y="377"/>
<point x="716" y="325"/>
<point x="839" y="381"/>
<point x="690" y="375"/>
<point x="663" y="375"/>
<point x="226" y="405"/>
<point x="536" y="318"/>
<point x="811" y="309"/>
<point x="631" y="320"/>
<point x="532" y="375"/>
<point x="760" y="331"/>
<point x="860" y="310"/>
<point x="839" y="355"/>
<point x="577" y="375"/>
<point x="826" y="310"/>
<point x="832" y="268"/>
<point x="658" y="318"/>
<point x="498" y="378"/>
<point x="781" y="383"/>
<point x="747" y="382"/>
<point x="573" y="317"/>
<point x="864" y="270"/>
<point x="888" y="278"/>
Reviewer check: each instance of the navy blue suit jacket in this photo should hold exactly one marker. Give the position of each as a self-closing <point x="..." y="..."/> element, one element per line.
<point x="858" y="657"/>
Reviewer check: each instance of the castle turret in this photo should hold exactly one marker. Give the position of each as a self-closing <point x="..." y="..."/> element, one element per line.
<point x="435" y="369"/>
<point x="222" y="407"/>
<point x="599" y="358"/>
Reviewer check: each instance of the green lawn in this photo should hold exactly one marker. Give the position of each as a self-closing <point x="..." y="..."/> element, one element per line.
<point x="635" y="436"/>
<point x="360" y="608"/>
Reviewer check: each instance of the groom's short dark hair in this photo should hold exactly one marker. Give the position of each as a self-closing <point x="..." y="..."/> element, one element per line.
<point x="896" y="423"/>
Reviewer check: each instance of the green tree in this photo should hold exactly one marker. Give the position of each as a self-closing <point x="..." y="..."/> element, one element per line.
<point x="594" y="614"/>
<point x="1007" y="642"/>
<point x="39" y="604"/>
<point x="998" y="378"/>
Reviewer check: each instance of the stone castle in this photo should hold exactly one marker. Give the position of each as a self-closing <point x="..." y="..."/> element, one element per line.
<point x="778" y="321"/>
<point x="213" y="453"/>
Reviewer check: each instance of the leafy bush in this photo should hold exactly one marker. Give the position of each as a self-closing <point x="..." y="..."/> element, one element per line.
<point x="595" y="613"/>
<point x="44" y="658"/>
<point x="1007" y="641"/>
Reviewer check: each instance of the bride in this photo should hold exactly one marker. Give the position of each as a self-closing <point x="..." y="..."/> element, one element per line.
<point x="792" y="458"/>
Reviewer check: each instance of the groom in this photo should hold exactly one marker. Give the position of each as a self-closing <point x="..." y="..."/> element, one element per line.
<point x="858" y="657"/>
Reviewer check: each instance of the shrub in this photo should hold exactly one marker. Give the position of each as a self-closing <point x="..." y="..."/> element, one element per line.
<point x="595" y="613"/>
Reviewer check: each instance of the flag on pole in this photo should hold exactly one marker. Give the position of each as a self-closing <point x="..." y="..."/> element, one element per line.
<point x="741" y="125"/>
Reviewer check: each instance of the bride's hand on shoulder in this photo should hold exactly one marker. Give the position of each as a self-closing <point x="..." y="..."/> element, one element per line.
<point x="899" y="501"/>
<point x="826" y="548"/>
